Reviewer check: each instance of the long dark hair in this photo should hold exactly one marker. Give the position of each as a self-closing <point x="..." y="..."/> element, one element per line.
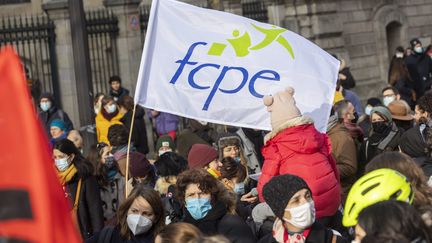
<point x="397" y="71"/>
<point x="85" y="169"/>
<point x="153" y="198"/>
<point x="394" y="218"/>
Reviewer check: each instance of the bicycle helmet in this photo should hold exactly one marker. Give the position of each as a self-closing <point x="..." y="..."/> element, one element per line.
<point x="376" y="186"/>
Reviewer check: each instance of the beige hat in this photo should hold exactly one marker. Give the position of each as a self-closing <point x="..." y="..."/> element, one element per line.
<point x="400" y="110"/>
<point x="282" y="107"/>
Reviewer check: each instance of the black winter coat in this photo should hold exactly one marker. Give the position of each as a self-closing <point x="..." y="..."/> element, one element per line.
<point x="218" y="221"/>
<point x="46" y="117"/>
<point x="405" y="88"/>
<point x="413" y="142"/>
<point x="419" y="67"/>
<point x="111" y="234"/>
<point x="90" y="215"/>
<point x="139" y="133"/>
<point x="118" y="94"/>
<point x="371" y="146"/>
<point x="349" y="82"/>
<point x="318" y="234"/>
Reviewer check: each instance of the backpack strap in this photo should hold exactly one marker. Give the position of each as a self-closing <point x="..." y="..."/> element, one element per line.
<point x="106" y="234"/>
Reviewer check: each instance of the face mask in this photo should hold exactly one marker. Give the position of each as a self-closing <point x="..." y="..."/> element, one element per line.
<point x="418" y="49"/>
<point x="239" y="188"/>
<point x="111" y="108"/>
<point x="302" y="216"/>
<point x="379" y="127"/>
<point x="109" y="161"/>
<point x="164" y="151"/>
<point x="368" y="110"/>
<point x="62" y="164"/>
<point x="45" y="106"/>
<point x="237" y="159"/>
<point x="138" y="224"/>
<point x="388" y="99"/>
<point x="198" y="207"/>
<point x="399" y="55"/>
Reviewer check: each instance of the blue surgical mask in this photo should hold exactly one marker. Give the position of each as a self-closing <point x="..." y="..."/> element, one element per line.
<point x="111" y="108"/>
<point x="368" y="110"/>
<point x="198" y="207"/>
<point x="62" y="164"/>
<point x="45" y="106"/>
<point x="239" y="188"/>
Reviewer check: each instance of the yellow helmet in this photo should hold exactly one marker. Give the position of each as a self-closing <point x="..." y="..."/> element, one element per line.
<point x="376" y="186"/>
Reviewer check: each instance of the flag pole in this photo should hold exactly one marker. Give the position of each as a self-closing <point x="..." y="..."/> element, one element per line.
<point x="128" y="150"/>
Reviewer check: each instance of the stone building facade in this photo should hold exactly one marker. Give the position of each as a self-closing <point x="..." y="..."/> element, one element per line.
<point x="363" y="32"/>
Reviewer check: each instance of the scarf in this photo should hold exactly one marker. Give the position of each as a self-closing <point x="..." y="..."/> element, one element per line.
<point x="281" y="235"/>
<point x="67" y="175"/>
<point x="332" y="122"/>
<point x="107" y="115"/>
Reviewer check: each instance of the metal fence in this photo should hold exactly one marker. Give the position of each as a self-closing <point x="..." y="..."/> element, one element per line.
<point x="33" y="38"/>
<point x="102" y="30"/>
<point x="144" y="14"/>
<point x="255" y="9"/>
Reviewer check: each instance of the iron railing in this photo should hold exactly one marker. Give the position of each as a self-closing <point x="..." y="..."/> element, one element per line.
<point x="255" y="9"/>
<point x="102" y="30"/>
<point x="33" y="38"/>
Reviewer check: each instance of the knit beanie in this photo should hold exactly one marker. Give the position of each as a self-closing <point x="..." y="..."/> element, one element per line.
<point x="382" y="111"/>
<point x="414" y="42"/>
<point x="165" y="141"/>
<point x="282" y="107"/>
<point x="139" y="166"/>
<point x="280" y="189"/>
<point x="201" y="155"/>
<point x="58" y="123"/>
<point x="373" y="102"/>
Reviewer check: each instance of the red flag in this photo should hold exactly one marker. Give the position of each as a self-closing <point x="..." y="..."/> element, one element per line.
<point x="32" y="203"/>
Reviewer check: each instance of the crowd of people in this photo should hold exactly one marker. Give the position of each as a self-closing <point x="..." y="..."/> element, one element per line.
<point x="368" y="179"/>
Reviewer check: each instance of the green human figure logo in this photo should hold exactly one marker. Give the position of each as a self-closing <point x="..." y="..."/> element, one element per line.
<point x="242" y="44"/>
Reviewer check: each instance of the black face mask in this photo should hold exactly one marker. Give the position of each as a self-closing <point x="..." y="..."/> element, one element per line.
<point x="379" y="127"/>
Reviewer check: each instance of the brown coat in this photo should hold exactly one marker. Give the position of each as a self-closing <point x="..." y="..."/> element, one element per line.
<point x="345" y="152"/>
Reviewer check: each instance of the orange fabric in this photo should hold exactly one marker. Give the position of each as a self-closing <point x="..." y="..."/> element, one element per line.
<point x="26" y="163"/>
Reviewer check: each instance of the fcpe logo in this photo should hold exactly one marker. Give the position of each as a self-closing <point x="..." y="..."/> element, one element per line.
<point x="242" y="46"/>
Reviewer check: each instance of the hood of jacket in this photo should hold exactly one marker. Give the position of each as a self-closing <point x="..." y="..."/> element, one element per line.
<point x="298" y="135"/>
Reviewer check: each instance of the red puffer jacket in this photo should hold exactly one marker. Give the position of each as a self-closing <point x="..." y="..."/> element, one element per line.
<point x="301" y="150"/>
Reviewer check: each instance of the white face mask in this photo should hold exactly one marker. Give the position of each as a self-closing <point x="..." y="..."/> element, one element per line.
<point x="138" y="224"/>
<point x="302" y="216"/>
<point x="111" y="108"/>
<point x="418" y="49"/>
<point x="62" y="164"/>
<point x="368" y="110"/>
<point x="399" y="55"/>
<point x="388" y="99"/>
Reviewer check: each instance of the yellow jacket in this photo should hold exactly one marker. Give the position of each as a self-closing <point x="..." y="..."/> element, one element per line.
<point x="102" y="126"/>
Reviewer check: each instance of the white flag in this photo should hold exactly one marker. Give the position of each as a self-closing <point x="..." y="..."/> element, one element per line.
<point x="215" y="66"/>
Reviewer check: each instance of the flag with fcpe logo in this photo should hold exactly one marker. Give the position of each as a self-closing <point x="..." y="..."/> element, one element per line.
<point x="215" y="66"/>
